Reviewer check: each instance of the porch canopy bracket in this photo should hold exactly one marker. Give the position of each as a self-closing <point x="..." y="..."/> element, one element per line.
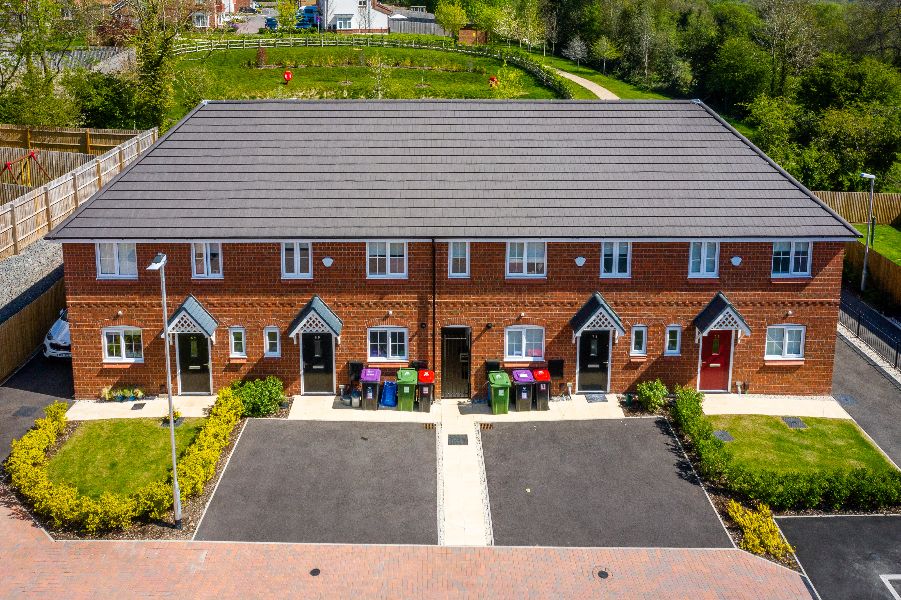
<point x="316" y="317"/>
<point x="720" y="313"/>
<point x="596" y="314"/>
<point x="192" y="317"/>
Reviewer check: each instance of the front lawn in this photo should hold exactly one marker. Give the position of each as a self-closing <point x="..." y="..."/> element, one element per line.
<point x="118" y="455"/>
<point x="886" y="241"/>
<point x="767" y="443"/>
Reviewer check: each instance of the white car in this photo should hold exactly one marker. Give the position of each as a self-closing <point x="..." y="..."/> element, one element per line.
<point x="57" y="343"/>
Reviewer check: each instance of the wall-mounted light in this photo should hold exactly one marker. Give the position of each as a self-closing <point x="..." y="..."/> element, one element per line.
<point x="489" y="325"/>
<point x="327" y="261"/>
<point x="789" y="313"/>
<point x="422" y="325"/>
<point x="390" y="313"/>
<point x="736" y="261"/>
<point x="118" y="313"/>
<point x="580" y="261"/>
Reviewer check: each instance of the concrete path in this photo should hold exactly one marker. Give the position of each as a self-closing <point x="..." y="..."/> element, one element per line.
<point x="779" y="406"/>
<point x="601" y="92"/>
<point x="188" y="406"/>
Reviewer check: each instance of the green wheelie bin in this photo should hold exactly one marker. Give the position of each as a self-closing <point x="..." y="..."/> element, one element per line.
<point x="406" y="389"/>
<point x="499" y="384"/>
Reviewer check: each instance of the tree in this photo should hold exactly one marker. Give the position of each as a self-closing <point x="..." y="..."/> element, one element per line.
<point x="451" y="16"/>
<point x="286" y="14"/>
<point x="789" y="36"/>
<point x="739" y="73"/>
<point x="604" y="49"/>
<point x="575" y="49"/>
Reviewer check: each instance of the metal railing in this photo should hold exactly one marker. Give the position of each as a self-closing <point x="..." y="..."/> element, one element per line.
<point x="873" y="329"/>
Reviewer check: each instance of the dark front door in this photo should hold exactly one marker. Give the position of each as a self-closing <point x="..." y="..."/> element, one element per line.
<point x="194" y="363"/>
<point x="318" y="367"/>
<point x="716" y="358"/>
<point x="455" y="362"/>
<point x="594" y="361"/>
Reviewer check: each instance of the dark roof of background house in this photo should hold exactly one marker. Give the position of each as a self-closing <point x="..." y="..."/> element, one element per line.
<point x="284" y="169"/>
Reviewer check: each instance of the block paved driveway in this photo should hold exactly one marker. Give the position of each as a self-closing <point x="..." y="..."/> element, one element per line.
<point x="845" y="557"/>
<point x="313" y="481"/>
<point x="595" y="483"/>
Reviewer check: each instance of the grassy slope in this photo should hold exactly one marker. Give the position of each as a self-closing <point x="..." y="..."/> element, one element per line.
<point x="118" y="455"/>
<point x="886" y="241"/>
<point x="622" y="89"/>
<point x="763" y="442"/>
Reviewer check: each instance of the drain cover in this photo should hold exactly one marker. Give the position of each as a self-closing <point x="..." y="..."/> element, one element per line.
<point x="138" y="405"/>
<point x="457" y="439"/>
<point x="794" y="422"/>
<point x="723" y="435"/>
<point x="26" y="411"/>
<point x="846" y="399"/>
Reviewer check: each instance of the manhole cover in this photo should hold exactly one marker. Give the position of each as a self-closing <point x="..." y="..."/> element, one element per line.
<point x="794" y="422"/>
<point x="457" y="439"/>
<point x="846" y="399"/>
<point x="138" y="405"/>
<point x="26" y="411"/>
<point x="723" y="435"/>
<point x="596" y="397"/>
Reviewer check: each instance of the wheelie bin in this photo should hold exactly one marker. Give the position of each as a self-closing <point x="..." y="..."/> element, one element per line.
<point x="523" y="385"/>
<point x="499" y="385"/>
<point x="426" y="389"/>
<point x="369" y="383"/>
<point x="406" y="389"/>
<point x="542" y="388"/>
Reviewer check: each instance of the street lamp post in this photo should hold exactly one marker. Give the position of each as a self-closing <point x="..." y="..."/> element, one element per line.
<point x="159" y="264"/>
<point x="866" y="250"/>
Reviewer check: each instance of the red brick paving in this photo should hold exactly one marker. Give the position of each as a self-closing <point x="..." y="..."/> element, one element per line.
<point x="32" y="565"/>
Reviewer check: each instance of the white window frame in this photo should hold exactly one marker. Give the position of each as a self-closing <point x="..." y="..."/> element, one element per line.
<point x="297" y="274"/>
<point x="231" y="342"/>
<point x="785" y="327"/>
<point x="450" y="260"/>
<point x="666" y="348"/>
<point x="117" y="250"/>
<point x="206" y="261"/>
<point x="616" y="274"/>
<point x="388" y="274"/>
<point x="704" y="273"/>
<point x="341" y="19"/>
<point x="120" y="331"/>
<point x="643" y="351"/>
<point x="525" y="261"/>
<point x="522" y="329"/>
<point x="791" y="259"/>
<point x="278" y="342"/>
<point x="389" y="357"/>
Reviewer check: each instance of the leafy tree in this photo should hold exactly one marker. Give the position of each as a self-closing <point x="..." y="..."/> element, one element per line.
<point x="604" y="49"/>
<point x="286" y="14"/>
<point x="509" y="83"/>
<point x="835" y="81"/>
<point x="450" y="15"/>
<point x="775" y="122"/>
<point x="789" y="36"/>
<point x="575" y="50"/>
<point x="739" y="73"/>
<point x="105" y="100"/>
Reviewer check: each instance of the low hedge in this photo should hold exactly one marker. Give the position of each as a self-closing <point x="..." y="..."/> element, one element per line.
<point x="64" y="508"/>
<point x="842" y="489"/>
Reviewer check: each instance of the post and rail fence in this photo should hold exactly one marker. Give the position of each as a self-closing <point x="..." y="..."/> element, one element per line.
<point x="876" y="331"/>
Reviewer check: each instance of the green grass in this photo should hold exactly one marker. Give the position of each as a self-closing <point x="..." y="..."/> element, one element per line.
<point x="118" y="455"/>
<point x="886" y="241"/>
<point x="340" y="72"/>
<point x="763" y="442"/>
<point x="622" y="89"/>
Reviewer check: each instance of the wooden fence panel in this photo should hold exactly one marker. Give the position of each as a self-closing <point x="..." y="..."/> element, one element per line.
<point x="43" y="169"/>
<point x="854" y="206"/>
<point x="23" y="332"/>
<point x="11" y="191"/>
<point x="881" y="272"/>
<point x="64" y="139"/>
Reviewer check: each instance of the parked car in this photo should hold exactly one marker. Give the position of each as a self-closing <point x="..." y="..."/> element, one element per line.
<point x="271" y="23"/>
<point x="248" y="10"/>
<point x="57" y="343"/>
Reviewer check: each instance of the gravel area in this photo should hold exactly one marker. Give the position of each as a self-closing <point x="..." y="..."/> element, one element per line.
<point x="26" y="276"/>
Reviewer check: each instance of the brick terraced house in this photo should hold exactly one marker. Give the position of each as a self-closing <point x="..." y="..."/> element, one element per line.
<point x="613" y="241"/>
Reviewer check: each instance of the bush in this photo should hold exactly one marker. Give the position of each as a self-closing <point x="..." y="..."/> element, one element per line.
<point x="759" y="531"/>
<point x="651" y="395"/>
<point x="260" y="397"/>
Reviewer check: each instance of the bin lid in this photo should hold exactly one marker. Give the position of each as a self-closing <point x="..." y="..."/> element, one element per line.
<point x="499" y="378"/>
<point x="406" y="376"/>
<point x="427" y="376"/>
<point x="522" y="376"/>
<point x="541" y="375"/>
<point x="389" y="386"/>
<point x="370" y="375"/>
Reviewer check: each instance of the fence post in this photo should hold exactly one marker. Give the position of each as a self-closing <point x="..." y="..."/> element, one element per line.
<point x="859" y="315"/>
<point x="897" y="351"/>
<point x="48" y="214"/>
<point x="121" y="159"/>
<point x="99" y="173"/>
<point x="75" y="188"/>
<point x="15" y="224"/>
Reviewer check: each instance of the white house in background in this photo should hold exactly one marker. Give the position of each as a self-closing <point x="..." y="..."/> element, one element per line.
<point x="355" y="16"/>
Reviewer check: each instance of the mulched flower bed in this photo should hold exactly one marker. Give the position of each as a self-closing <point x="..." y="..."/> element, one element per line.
<point x="283" y="411"/>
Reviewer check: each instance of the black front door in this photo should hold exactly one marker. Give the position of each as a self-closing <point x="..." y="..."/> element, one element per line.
<point x="594" y="359"/>
<point x="318" y="367"/>
<point x="455" y="362"/>
<point x="194" y="363"/>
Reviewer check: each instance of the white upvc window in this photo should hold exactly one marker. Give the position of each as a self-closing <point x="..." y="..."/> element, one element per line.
<point x="458" y="260"/>
<point x="387" y="344"/>
<point x="297" y="260"/>
<point x="117" y="260"/>
<point x="206" y="260"/>
<point x="122" y="345"/>
<point x="639" y="341"/>
<point x="526" y="259"/>
<point x="524" y="343"/>
<point x="785" y="342"/>
<point x="791" y="259"/>
<point x="616" y="259"/>
<point x="673" y="345"/>
<point x="386" y="260"/>
<point x="237" y="339"/>
<point x="703" y="259"/>
<point x="343" y="22"/>
<point x="272" y="347"/>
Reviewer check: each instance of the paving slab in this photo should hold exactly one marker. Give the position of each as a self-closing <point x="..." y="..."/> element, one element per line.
<point x="777" y="406"/>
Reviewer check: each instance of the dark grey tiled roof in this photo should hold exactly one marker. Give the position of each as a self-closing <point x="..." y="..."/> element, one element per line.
<point x="592" y="306"/>
<point x="715" y="309"/>
<point x="469" y="169"/>
<point x="318" y="307"/>
<point x="198" y="314"/>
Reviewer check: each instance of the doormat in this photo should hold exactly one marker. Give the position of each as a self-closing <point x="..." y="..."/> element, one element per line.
<point x="138" y="405"/>
<point x="794" y="422"/>
<point x="457" y="439"/>
<point x="596" y="397"/>
<point x="723" y="435"/>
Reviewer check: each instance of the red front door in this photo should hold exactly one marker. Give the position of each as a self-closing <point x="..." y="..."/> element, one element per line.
<point x="716" y="356"/>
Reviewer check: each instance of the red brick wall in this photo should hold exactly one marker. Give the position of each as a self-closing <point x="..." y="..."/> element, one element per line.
<point x="253" y="295"/>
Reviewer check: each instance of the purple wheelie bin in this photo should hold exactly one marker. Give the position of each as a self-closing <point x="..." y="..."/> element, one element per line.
<point x="523" y="388"/>
<point x="369" y="383"/>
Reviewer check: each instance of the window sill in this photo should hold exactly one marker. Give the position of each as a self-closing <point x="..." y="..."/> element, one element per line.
<point x="237" y="359"/>
<point x="783" y="362"/>
<point x="704" y="278"/>
<point x="385" y="277"/>
<point x="216" y="278"/>
<point x="297" y="277"/>
<point x="384" y="364"/>
<point x="638" y="358"/>
<point x="792" y="279"/>
<point x="672" y="355"/>
<point x="121" y="365"/>
<point x="117" y="278"/>
<point x="616" y="277"/>
<point x="525" y="277"/>
<point x="272" y="356"/>
<point x="522" y="364"/>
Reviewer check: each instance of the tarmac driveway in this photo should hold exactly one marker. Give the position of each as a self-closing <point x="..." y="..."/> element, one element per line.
<point x="618" y="482"/>
<point x="326" y="482"/>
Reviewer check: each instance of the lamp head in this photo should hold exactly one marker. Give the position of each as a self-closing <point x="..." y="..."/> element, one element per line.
<point x="158" y="262"/>
<point x="867" y="176"/>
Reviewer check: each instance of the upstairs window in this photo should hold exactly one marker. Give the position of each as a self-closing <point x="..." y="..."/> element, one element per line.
<point x="458" y="259"/>
<point x="207" y="260"/>
<point x="703" y="259"/>
<point x="117" y="260"/>
<point x="524" y="344"/>
<point x="526" y="259"/>
<point x="297" y="260"/>
<point x="785" y="342"/>
<point x="616" y="259"/>
<point x="122" y="344"/>
<point x="388" y="344"/>
<point x="386" y="260"/>
<point x="791" y="259"/>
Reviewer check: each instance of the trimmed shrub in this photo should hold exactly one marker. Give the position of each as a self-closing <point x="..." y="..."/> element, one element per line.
<point x="651" y="395"/>
<point x="260" y="397"/>
<point x="759" y="531"/>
